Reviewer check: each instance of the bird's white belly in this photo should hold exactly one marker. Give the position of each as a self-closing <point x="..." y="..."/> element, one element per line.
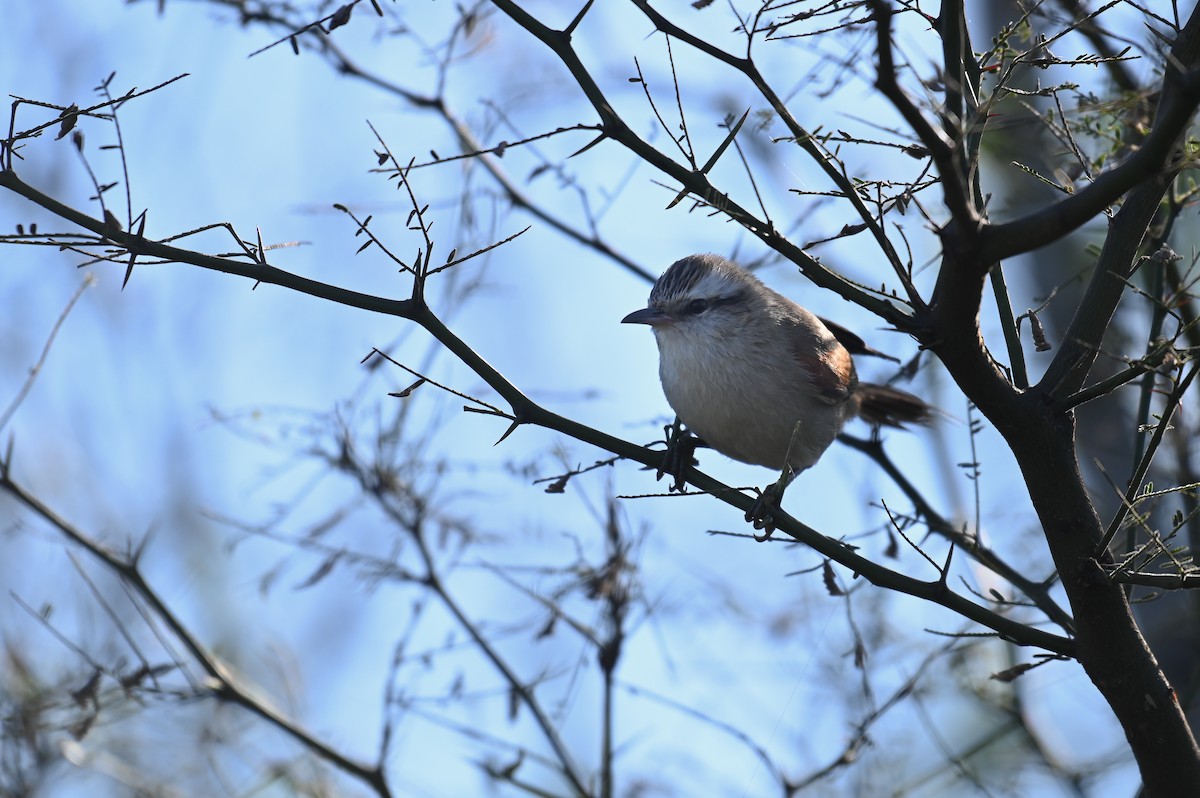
<point x="745" y="415"/>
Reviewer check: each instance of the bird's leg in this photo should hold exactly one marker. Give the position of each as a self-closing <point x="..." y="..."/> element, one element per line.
<point x="762" y="513"/>
<point x="679" y="456"/>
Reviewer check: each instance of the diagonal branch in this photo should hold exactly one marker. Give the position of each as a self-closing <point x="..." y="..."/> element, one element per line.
<point x="802" y="137"/>
<point x="1037" y="592"/>
<point x="222" y="682"/>
<point x="693" y="180"/>
<point x="525" y="411"/>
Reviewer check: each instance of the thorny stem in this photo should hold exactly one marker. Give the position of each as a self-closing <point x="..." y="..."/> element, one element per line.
<point x="434" y="582"/>
<point x="695" y="181"/>
<point x="221" y="681"/>
<point x="527" y="412"/>
<point x="1036" y="591"/>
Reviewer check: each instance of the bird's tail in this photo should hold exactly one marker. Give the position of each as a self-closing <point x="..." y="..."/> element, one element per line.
<point x="884" y="406"/>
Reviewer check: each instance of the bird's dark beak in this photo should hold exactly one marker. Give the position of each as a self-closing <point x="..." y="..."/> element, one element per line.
<point x="652" y="316"/>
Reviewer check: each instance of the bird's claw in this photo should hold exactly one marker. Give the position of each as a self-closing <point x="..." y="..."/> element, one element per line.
<point x="762" y="513"/>
<point x="679" y="456"/>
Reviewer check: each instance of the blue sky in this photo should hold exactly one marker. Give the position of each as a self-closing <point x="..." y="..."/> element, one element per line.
<point x="127" y="428"/>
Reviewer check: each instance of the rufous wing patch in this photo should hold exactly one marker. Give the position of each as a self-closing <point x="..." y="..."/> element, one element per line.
<point x="830" y="370"/>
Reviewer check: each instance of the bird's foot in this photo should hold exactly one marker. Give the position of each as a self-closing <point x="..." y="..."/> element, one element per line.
<point x="762" y="513"/>
<point x="679" y="456"/>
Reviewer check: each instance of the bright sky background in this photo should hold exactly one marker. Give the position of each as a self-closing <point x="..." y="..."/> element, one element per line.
<point x="120" y="433"/>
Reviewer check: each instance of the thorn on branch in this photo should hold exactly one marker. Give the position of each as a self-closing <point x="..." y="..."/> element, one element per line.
<point x="589" y="145"/>
<point x="516" y="422"/>
<point x="945" y="569"/>
<point x="570" y="29"/>
<point x="111" y="222"/>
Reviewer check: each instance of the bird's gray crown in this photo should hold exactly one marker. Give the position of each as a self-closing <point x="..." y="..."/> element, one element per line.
<point x="699" y="276"/>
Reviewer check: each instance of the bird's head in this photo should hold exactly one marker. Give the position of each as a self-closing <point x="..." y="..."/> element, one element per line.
<point x="701" y="296"/>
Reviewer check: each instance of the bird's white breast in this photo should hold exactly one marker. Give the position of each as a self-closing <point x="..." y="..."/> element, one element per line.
<point x="761" y="410"/>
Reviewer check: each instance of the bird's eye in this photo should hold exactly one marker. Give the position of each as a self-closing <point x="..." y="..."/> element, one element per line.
<point x="696" y="307"/>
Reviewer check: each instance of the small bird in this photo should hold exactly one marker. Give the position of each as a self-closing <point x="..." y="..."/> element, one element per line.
<point x="757" y="377"/>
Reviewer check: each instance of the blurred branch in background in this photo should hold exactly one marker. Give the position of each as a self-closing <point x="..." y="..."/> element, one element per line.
<point x="544" y="644"/>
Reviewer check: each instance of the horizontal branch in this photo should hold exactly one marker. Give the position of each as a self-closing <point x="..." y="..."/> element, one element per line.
<point x="1186" y="580"/>
<point x="259" y="272"/>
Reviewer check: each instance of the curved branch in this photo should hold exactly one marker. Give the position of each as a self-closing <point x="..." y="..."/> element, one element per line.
<point x="1155" y="158"/>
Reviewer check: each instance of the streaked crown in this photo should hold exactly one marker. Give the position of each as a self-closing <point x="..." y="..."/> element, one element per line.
<point x="707" y="277"/>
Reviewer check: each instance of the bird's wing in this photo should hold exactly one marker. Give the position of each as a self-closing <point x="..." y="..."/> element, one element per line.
<point x="853" y="343"/>
<point x="826" y="364"/>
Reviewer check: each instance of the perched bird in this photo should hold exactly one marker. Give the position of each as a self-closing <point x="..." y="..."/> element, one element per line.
<point x="757" y="377"/>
